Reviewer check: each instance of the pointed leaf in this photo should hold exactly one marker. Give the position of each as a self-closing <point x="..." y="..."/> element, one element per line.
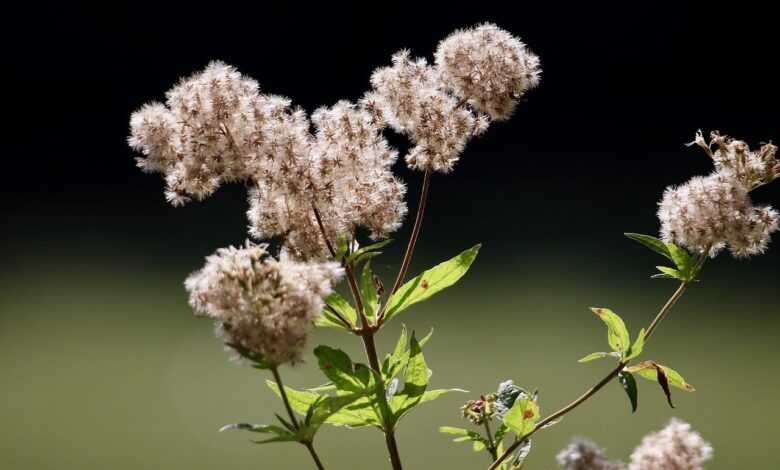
<point x="649" y="370"/>
<point x="430" y="282"/>
<point x="368" y="292"/>
<point x="415" y="381"/>
<point x="338" y="304"/>
<point x="598" y="355"/>
<point x="374" y="247"/>
<point x="337" y="366"/>
<point x="670" y="273"/>
<point x="628" y="383"/>
<point x="522" y="417"/>
<point x="682" y="259"/>
<point x="617" y="334"/>
<point x="651" y="242"/>
<point x="300" y="401"/>
<point x="636" y="348"/>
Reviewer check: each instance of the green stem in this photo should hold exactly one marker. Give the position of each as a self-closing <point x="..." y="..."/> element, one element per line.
<point x="283" y="393"/>
<point x="491" y="444"/>
<point x="593" y="390"/>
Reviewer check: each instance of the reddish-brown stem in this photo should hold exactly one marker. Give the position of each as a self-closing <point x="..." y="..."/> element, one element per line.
<point x="412" y="238"/>
<point x="593" y="390"/>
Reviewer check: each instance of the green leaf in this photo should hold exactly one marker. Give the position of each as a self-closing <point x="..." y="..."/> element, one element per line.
<point x="280" y="434"/>
<point x="342" y="246"/>
<point x="628" y="383"/>
<point x="431" y="395"/>
<point x="300" y="401"/>
<point x="368" y="292"/>
<point x="430" y="282"/>
<point x="362" y="412"/>
<point x="522" y="417"/>
<point x="682" y="259"/>
<point x="598" y="355"/>
<point x="415" y="382"/>
<point x="395" y="362"/>
<point x="651" y="242"/>
<point x="669" y="273"/>
<point x="258" y="360"/>
<point x="374" y="247"/>
<point x="323" y="409"/>
<point x="337" y="366"/>
<point x="649" y="370"/>
<point x="338" y="304"/>
<point x="636" y="348"/>
<point x="617" y="334"/>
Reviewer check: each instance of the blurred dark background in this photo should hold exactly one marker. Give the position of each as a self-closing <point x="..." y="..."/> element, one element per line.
<point x="103" y="366"/>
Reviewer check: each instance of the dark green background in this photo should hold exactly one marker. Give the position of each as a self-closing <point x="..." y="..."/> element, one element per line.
<point x="102" y="364"/>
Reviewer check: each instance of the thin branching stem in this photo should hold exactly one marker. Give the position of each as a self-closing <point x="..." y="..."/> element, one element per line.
<point x="293" y="420"/>
<point x="614" y="373"/>
<point x="491" y="444"/>
<point x="418" y="218"/>
<point x="366" y="333"/>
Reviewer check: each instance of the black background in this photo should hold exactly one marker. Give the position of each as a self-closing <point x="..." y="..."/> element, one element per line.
<point x="624" y="86"/>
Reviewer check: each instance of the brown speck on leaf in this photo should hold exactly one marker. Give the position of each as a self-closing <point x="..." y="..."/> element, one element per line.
<point x="528" y="414"/>
<point x="328" y="366"/>
<point x="424" y="284"/>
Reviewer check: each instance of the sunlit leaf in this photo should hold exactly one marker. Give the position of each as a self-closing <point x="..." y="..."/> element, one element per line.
<point x="338" y="367"/>
<point x="598" y="355"/>
<point x="522" y="417"/>
<point x="617" y="334"/>
<point x="653" y="243"/>
<point x="430" y="282"/>
<point x="628" y="383"/>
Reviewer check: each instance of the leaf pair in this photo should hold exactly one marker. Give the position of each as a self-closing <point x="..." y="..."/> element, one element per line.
<point x="686" y="268"/>
<point x="665" y="376"/>
<point x="617" y="337"/>
<point x="338" y="313"/>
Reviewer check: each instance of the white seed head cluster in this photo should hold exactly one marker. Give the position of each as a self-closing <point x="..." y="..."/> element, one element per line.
<point x="708" y="214"/>
<point x="264" y="305"/>
<point x="488" y="67"/>
<point x="676" y="447"/>
<point x="752" y="168"/>
<point x="345" y="172"/>
<point x="583" y="454"/>
<point x="411" y="99"/>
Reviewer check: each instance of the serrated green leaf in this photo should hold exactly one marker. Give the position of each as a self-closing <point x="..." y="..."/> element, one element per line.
<point x="374" y="247"/>
<point x="522" y="417"/>
<point x="368" y="292"/>
<point x="430" y="282"/>
<point x="393" y="364"/>
<point x="649" y="370"/>
<point x="672" y="273"/>
<point x="617" y="334"/>
<point x="257" y="360"/>
<point x="682" y="259"/>
<point x="362" y="412"/>
<point x="338" y="367"/>
<point x="636" y="348"/>
<point x="652" y="243"/>
<point x="323" y="409"/>
<point x="415" y="382"/>
<point x="300" y="401"/>
<point x="598" y="355"/>
<point x="628" y="383"/>
<point x="338" y="304"/>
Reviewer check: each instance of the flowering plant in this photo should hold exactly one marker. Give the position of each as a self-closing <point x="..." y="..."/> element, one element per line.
<point x="319" y="185"/>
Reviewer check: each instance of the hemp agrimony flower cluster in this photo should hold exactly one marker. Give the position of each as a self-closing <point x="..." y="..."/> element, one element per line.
<point x="317" y="183"/>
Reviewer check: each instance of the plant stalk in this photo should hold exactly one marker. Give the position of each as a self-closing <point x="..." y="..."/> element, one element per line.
<point x="418" y="218"/>
<point x="593" y="390"/>
<point x="283" y="393"/>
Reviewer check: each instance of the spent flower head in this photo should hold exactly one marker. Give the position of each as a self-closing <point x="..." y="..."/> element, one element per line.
<point x="707" y="214"/>
<point x="676" y="447"/>
<point x="259" y="303"/>
<point x="477" y="411"/>
<point x="409" y="97"/>
<point x="488" y="67"/>
<point x="584" y="454"/>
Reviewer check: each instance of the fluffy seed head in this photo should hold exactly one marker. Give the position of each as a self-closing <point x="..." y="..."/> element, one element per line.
<point x="488" y="67"/>
<point x="676" y="447"/>
<point x="752" y="168"/>
<point x="264" y="305"/>
<point x="583" y="454"/>
<point x="409" y="98"/>
<point x="344" y="172"/>
<point x="707" y="214"/>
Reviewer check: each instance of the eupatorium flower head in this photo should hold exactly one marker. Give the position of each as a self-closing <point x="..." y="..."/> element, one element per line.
<point x="489" y="67"/>
<point x="676" y="447"/>
<point x="411" y="100"/>
<point x="707" y="214"/>
<point x="583" y="454"/>
<point x="734" y="157"/>
<point x="262" y="304"/>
